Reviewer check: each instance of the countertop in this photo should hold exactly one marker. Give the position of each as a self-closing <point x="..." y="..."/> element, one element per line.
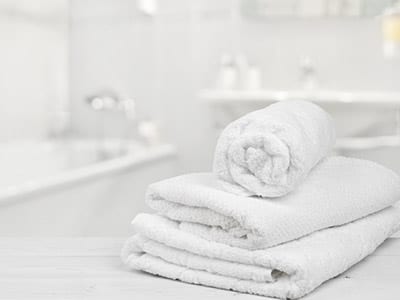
<point x="90" y="268"/>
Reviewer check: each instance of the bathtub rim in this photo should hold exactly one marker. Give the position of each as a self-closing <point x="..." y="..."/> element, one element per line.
<point x="87" y="172"/>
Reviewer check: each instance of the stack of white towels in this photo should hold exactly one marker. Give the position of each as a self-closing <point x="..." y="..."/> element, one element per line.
<point x="276" y="217"/>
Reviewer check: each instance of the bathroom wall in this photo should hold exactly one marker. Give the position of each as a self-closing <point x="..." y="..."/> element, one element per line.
<point x="33" y="66"/>
<point x="164" y="60"/>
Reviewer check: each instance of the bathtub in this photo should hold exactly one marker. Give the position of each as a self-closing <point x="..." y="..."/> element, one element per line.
<point x="77" y="187"/>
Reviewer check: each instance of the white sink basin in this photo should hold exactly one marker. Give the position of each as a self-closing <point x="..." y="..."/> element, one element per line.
<point x="381" y="98"/>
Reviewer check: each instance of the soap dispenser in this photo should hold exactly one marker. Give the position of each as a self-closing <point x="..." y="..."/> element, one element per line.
<point x="308" y="78"/>
<point x="228" y="75"/>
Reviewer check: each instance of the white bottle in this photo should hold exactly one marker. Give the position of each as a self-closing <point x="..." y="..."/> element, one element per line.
<point x="253" y="79"/>
<point x="228" y="76"/>
<point x="243" y="70"/>
<point x="149" y="131"/>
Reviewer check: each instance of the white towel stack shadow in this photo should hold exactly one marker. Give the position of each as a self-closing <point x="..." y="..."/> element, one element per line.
<point x="277" y="217"/>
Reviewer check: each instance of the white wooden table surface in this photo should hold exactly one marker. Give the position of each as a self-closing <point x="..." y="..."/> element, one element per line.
<point x="90" y="268"/>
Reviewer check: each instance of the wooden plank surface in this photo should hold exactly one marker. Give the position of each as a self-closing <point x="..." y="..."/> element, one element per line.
<point x="90" y="268"/>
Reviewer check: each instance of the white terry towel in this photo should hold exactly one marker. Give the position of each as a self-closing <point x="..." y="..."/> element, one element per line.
<point x="337" y="191"/>
<point x="270" y="151"/>
<point x="290" y="270"/>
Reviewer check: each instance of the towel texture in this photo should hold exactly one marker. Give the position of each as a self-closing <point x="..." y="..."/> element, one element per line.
<point x="290" y="270"/>
<point x="270" y="151"/>
<point x="338" y="191"/>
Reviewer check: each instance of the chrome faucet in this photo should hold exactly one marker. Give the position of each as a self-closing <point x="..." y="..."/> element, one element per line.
<point x="107" y="102"/>
<point x="308" y="78"/>
<point x="103" y="101"/>
<point x="128" y="107"/>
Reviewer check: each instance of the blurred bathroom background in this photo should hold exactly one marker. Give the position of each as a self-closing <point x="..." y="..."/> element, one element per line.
<point x="99" y="98"/>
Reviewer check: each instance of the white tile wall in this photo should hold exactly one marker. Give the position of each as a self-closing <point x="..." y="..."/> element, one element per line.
<point x="33" y="67"/>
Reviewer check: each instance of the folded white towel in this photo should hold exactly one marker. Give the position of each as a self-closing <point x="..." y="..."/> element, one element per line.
<point x="337" y="191"/>
<point x="290" y="270"/>
<point x="270" y="151"/>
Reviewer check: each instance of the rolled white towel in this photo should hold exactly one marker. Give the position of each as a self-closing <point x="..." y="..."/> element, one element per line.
<point x="270" y="151"/>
